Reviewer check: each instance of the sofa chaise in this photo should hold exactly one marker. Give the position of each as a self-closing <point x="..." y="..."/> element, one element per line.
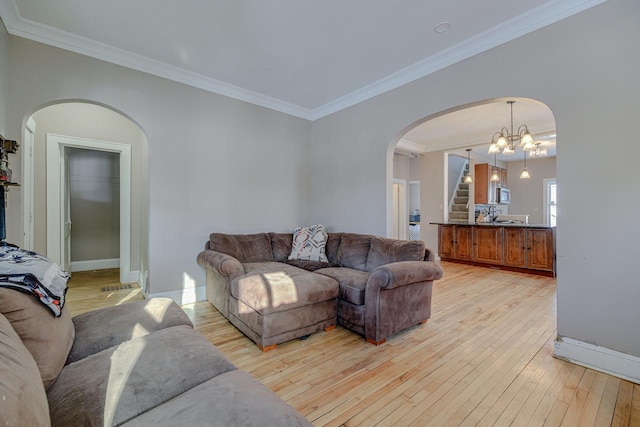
<point x="136" y="364"/>
<point x="370" y="285"/>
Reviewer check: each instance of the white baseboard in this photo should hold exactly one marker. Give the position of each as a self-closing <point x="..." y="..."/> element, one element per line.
<point x="96" y="264"/>
<point x="134" y="277"/>
<point x="622" y="365"/>
<point x="184" y="296"/>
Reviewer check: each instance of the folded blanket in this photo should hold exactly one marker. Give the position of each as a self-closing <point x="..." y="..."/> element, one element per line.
<point x="34" y="274"/>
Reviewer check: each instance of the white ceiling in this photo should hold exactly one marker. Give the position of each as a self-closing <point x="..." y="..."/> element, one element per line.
<point x="474" y="127"/>
<point x="303" y="57"/>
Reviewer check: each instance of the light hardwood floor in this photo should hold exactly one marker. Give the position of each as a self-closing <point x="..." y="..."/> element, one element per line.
<point x="484" y="358"/>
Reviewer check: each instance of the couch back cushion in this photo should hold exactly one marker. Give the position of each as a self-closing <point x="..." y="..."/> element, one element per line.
<point x="23" y="401"/>
<point x="281" y="245"/>
<point x="48" y="338"/>
<point x="331" y="249"/>
<point x="384" y="251"/>
<point x="243" y="247"/>
<point x="353" y="251"/>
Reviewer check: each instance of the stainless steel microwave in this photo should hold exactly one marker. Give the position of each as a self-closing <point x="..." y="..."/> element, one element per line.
<point x="503" y="196"/>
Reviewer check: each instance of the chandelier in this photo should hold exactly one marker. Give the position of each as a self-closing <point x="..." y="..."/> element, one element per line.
<point x="506" y="141"/>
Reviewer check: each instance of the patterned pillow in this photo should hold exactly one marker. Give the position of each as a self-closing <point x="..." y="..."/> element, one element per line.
<point x="309" y="242"/>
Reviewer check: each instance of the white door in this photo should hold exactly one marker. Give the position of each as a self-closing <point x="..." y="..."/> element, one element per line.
<point x="27" y="183"/>
<point x="58" y="220"/>
<point x="400" y="226"/>
<point x="66" y="258"/>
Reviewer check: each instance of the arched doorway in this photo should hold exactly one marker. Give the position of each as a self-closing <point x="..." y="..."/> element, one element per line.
<point x="446" y="135"/>
<point x="109" y="155"/>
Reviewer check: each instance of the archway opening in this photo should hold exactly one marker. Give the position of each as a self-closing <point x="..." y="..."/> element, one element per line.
<point x="103" y="188"/>
<point x="434" y="148"/>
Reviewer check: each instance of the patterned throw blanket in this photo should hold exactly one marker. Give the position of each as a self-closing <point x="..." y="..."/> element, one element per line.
<point x="29" y="272"/>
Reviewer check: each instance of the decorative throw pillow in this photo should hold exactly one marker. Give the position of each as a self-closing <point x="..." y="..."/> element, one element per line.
<point x="309" y="243"/>
<point x="48" y="338"/>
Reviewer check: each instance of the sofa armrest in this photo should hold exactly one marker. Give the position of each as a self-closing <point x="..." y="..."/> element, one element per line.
<point x="222" y="263"/>
<point x="403" y="273"/>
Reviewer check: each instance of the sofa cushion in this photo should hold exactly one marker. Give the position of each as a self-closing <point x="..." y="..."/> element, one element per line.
<point x="309" y="242"/>
<point x="274" y="287"/>
<point x="23" y="401"/>
<point x="384" y="251"/>
<point x="120" y="383"/>
<point x="353" y="251"/>
<point x="309" y="265"/>
<point x="48" y="338"/>
<point x="281" y="245"/>
<point x="352" y="283"/>
<point x="107" y="327"/>
<point x="243" y="247"/>
<point x="230" y="399"/>
<point x="331" y="249"/>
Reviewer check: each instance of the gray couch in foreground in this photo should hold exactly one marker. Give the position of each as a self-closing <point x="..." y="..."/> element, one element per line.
<point x="137" y="364"/>
<point x="371" y="285"/>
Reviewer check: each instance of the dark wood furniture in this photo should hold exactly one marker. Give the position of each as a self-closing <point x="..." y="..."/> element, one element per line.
<point x="525" y="248"/>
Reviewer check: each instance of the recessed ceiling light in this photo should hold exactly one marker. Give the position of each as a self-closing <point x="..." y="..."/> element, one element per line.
<point x="442" y="27"/>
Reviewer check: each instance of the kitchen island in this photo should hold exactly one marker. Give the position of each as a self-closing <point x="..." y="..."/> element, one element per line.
<point x="527" y="248"/>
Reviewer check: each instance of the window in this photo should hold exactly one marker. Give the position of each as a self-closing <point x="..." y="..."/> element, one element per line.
<point x="550" y="201"/>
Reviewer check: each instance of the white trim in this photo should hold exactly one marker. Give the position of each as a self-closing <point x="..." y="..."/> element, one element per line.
<point x="410" y="146"/>
<point x="518" y="26"/>
<point x="532" y="20"/>
<point x="545" y="199"/>
<point x="601" y="359"/>
<point x="55" y="241"/>
<point x="185" y="296"/>
<point x="95" y="264"/>
<point x="28" y="177"/>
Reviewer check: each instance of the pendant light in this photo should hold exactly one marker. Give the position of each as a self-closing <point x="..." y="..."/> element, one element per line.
<point x="525" y="171"/>
<point x="495" y="176"/>
<point x="467" y="177"/>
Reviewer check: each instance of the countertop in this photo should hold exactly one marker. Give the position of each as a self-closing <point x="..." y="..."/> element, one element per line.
<point x="493" y="224"/>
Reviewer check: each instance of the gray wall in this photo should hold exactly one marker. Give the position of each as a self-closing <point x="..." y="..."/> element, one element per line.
<point x="215" y="163"/>
<point x="527" y="195"/>
<point x="401" y="167"/>
<point x="96" y="123"/>
<point x="584" y="70"/>
<point x="94" y="189"/>
<point x="4" y="79"/>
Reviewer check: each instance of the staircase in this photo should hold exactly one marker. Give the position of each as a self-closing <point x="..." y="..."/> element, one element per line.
<point x="458" y="210"/>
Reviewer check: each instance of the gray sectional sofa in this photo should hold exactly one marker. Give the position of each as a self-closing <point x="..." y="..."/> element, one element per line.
<point x="371" y="285"/>
<point x="137" y="364"/>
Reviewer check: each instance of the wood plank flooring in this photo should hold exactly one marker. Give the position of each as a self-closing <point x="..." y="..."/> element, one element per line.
<point x="484" y="358"/>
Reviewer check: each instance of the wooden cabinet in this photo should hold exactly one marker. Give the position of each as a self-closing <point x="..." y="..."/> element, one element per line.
<point x="484" y="190"/>
<point x="540" y="249"/>
<point x="531" y="248"/>
<point x="487" y="244"/>
<point x="516" y="248"/>
<point x="455" y="241"/>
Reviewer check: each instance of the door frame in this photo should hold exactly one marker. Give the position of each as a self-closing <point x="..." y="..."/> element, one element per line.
<point x="403" y="226"/>
<point x="28" y="197"/>
<point x="56" y="145"/>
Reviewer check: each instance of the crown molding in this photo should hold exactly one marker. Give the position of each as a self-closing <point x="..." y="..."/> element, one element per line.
<point x="9" y="13"/>
<point x="546" y="14"/>
<point x="411" y="147"/>
<point x="26" y="28"/>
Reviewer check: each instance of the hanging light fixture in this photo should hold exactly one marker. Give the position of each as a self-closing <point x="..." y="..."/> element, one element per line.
<point x="525" y="171"/>
<point x="506" y="141"/>
<point x="495" y="176"/>
<point x="467" y="177"/>
<point x="538" y="151"/>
